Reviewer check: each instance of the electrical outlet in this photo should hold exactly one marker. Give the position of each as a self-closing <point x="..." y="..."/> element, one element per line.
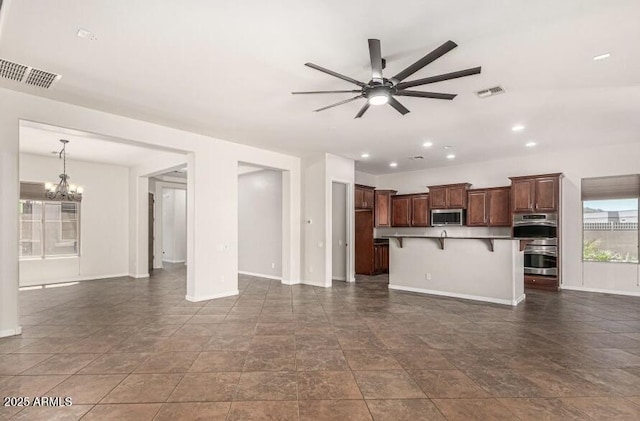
<point x="427" y="276"/>
<point x="273" y="265"/>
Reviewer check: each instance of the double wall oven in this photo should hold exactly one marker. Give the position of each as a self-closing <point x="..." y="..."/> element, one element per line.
<point x="541" y="253"/>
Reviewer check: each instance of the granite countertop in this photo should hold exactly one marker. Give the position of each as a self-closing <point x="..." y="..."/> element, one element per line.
<point x="452" y="238"/>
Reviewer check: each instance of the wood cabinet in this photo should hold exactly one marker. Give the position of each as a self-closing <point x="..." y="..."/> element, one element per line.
<point x="541" y="282"/>
<point x="489" y="207"/>
<point x="410" y="210"/>
<point x="449" y="196"/>
<point x="382" y="215"/>
<point x="420" y="210"/>
<point x="401" y="211"/>
<point x="364" y="197"/>
<point x="381" y="258"/>
<point x="539" y="193"/>
<point x="363" y="246"/>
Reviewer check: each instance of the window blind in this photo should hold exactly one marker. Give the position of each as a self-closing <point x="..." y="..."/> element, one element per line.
<point x="32" y="191"/>
<point x="614" y="187"/>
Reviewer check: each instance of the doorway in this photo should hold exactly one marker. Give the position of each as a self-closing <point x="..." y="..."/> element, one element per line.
<point x="339" y="232"/>
<point x="151" y="232"/>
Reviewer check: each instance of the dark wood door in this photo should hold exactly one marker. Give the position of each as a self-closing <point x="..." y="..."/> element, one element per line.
<point x="359" y="198"/>
<point x="151" y="233"/>
<point x="457" y="197"/>
<point x="499" y="207"/>
<point x="420" y="210"/>
<point x="383" y="208"/>
<point x="522" y="195"/>
<point x="401" y="211"/>
<point x="367" y="198"/>
<point x="364" y="243"/>
<point x="477" y="208"/>
<point x="546" y="193"/>
<point x="438" y="197"/>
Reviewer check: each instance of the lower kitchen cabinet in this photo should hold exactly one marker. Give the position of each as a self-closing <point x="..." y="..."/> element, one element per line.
<point x="541" y="282"/>
<point x="381" y="258"/>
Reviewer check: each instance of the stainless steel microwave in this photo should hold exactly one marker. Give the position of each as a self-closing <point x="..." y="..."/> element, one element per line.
<point x="446" y="217"/>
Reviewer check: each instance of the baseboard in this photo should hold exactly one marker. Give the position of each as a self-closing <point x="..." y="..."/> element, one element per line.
<point x="339" y="278"/>
<point x="213" y="296"/>
<point x="600" y="290"/>
<point x="456" y="295"/>
<point x="10" y="332"/>
<point x="291" y="281"/>
<point x="352" y="279"/>
<point x="519" y="300"/>
<point x="173" y="261"/>
<point x="143" y="275"/>
<point x="80" y="279"/>
<point x="260" y="275"/>
<point x="316" y="284"/>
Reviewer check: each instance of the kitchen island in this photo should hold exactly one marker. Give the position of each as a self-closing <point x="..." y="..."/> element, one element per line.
<point x="489" y="269"/>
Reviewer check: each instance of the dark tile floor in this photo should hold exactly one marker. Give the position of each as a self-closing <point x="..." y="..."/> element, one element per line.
<point x="135" y="349"/>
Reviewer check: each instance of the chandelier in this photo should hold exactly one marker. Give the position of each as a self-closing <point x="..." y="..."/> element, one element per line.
<point x="63" y="190"/>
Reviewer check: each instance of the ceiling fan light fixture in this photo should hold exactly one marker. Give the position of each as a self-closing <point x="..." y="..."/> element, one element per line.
<point x="379" y="99"/>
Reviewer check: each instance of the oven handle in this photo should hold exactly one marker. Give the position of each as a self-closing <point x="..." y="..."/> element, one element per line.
<point x="535" y="223"/>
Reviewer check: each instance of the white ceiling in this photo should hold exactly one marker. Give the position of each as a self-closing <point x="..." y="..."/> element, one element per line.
<point x="39" y="139"/>
<point x="226" y="69"/>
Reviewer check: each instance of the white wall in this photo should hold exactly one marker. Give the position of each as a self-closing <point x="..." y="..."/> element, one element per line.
<point x="575" y="164"/>
<point x="366" y="179"/>
<point x="339" y="231"/>
<point x="174" y="225"/>
<point x="212" y="223"/>
<point x="104" y="224"/>
<point x="260" y="223"/>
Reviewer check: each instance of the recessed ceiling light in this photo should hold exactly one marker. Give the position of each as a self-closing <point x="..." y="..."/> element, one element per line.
<point x="83" y="33"/>
<point x="530" y="144"/>
<point x="518" y="128"/>
<point x="364" y="155"/>
<point x="601" y="57"/>
<point x="393" y="164"/>
<point x="427" y="144"/>
<point x="451" y="156"/>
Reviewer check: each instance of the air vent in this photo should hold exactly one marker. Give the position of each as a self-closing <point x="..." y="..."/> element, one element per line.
<point x="496" y="90"/>
<point x="12" y="71"/>
<point x="25" y="74"/>
<point x="416" y="158"/>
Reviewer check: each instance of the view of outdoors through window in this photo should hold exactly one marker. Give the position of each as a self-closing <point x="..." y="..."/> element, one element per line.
<point x="610" y="230"/>
<point x="48" y="229"/>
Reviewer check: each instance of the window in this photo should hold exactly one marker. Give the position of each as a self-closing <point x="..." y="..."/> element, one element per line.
<point x="610" y="219"/>
<point x="49" y="229"/>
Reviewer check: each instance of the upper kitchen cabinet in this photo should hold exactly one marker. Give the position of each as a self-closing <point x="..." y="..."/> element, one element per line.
<point x="539" y="193"/>
<point x="364" y="197"/>
<point x="489" y="207"/>
<point x="383" y="207"/>
<point x="420" y="210"/>
<point x="401" y="211"/>
<point x="450" y="196"/>
<point x="410" y="210"/>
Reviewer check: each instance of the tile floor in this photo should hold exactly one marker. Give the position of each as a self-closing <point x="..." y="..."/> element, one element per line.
<point x="135" y="349"/>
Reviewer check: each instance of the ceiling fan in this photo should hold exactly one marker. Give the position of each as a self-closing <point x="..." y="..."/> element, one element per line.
<point x="380" y="90"/>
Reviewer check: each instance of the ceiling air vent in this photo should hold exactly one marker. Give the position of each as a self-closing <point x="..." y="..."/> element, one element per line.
<point x="25" y="74"/>
<point x="496" y="90"/>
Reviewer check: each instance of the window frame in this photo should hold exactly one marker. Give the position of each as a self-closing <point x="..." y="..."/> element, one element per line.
<point x="43" y="255"/>
<point x="582" y="230"/>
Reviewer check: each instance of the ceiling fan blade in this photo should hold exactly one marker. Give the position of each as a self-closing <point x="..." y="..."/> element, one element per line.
<point x="399" y="107"/>
<point x="334" y="74"/>
<point x="432" y="56"/>
<point x="338" y="103"/>
<point x="375" y="53"/>
<point x="354" y="91"/>
<point x="419" y="94"/>
<point x="439" y="78"/>
<point x="363" y="110"/>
